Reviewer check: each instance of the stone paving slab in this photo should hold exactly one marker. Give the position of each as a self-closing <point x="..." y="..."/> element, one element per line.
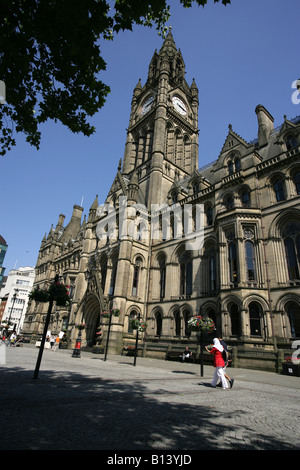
<point x="87" y="403"/>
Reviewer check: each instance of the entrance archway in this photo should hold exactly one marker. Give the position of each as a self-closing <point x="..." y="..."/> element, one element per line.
<point x="92" y="319"/>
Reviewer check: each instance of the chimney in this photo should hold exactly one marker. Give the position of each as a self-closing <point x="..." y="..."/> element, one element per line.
<point x="265" y="124"/>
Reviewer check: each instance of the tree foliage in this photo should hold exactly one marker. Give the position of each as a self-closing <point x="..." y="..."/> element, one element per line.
<point x="50" y="59"/>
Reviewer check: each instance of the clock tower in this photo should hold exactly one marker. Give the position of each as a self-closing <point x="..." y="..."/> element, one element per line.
<point x="162" y="139"/>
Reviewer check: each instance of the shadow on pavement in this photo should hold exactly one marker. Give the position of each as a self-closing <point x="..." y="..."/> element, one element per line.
<point x="69" y="411"/>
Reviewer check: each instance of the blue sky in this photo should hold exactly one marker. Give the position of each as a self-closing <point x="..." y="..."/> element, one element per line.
<point x="240" y="55"/>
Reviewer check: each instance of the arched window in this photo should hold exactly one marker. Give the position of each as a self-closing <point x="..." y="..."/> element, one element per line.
<point x="255" y="319"/>
<point x="162" y="276"/>
<point x="133" y="314"/>
<point x="230" y="167"/>
<point x="291" y="240"/>
<point x="186" y="316"/>
<point x="209" y="216"/>
<point x="279" y="190"/>
<point x="229" y="202"/>
<point x="245" y="198"/>
<point x="136" y="275"/>
<point x="113" y="277"/>
<point x="186" y="274"/>
<point x="234" y="164"/>
<point x="103" y="269"/>
<point x="237" y="164"/>
<point x="212" y="273"/>
<point x="293" y="312"/>
<point x="291" y="142"/>
<point x="177" y="323"/>
<point x="233" y="265"/>
<point x="291" y="258"/>
<point x="250" y="261"/>
<point x="297" y="182"/>
<point x="158" y="324"/>
<point x="235" y="320"/>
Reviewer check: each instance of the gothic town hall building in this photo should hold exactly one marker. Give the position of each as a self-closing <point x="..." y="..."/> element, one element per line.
<point x="245" y="274"/>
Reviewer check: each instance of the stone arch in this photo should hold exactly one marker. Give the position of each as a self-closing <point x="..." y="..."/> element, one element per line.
<point x="91" y="309"/>
<point x="157" y="317"/>
<point x="176" y="318"/>
<point x="256" y="298"/>
<point x="281" y="219"/>
<point x="132" y="312"/>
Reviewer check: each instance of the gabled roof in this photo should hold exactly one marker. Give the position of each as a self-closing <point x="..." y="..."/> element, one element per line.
<point x="232" y="140"/>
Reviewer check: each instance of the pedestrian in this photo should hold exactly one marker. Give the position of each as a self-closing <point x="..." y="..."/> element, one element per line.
<point x="57" y="340"/>
<point x="13" y="339"/>
<point x="226" y="360"/>
<point x="52" y="341"/>
<point x="219" y="363"/>
<point x="186" y="353"/>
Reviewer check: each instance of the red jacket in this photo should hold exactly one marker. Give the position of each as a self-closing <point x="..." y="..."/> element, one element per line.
<point x="218" y="358"/>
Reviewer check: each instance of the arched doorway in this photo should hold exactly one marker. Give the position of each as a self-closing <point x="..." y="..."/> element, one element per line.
<point x="91" y="319"/>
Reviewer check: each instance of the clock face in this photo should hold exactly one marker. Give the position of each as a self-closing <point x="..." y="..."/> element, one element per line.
<point x="147" y="105"/>
<point x="179" y="105"/>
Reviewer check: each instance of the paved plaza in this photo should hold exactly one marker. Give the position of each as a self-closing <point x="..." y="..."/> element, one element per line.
<point x="88" y="403"/>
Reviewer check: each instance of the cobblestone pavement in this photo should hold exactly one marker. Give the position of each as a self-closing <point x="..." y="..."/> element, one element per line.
<point x="87" y="403"/>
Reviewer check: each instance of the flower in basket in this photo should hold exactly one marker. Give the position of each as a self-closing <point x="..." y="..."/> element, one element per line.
<point x="39" y="295"/>
<point x="56" y="291"/>
<point x="136" y="324"/>
<point x="105" y="313"/>
<point x="142" y="327"/>
<point x="115" y="312"/>
<point x="291" y="360"/>
<point x="60" y="294"/>
<point x="80" y="326"/>
<point x="199" y="323"/>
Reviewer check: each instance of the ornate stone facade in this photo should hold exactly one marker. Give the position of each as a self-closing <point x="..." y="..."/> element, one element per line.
<point x="246" y="275"/>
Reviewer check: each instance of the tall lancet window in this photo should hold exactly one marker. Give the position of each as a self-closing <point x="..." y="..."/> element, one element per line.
<point x="136" y="276"/>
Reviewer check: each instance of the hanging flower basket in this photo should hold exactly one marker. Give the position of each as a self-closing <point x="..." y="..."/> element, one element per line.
<point x="136" y="324"/>
<point x="199" y="323"/>
<point x="105" y="314"/>
<point x="60" y="294"/>
<point x="56" y="291"/>
<point x="39" y="295"/>
<point x="115" y="312"/>
<point x="80" y="326"/>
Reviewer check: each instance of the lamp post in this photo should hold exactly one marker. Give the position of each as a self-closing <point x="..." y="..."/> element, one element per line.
<point x="201" y="340"/>
<point x="77" y="349"/>
<point x="136" y="342"/>
<point x="39" y="359"/>
<point x="108" y="333"/>
<point x="14" y="299"/>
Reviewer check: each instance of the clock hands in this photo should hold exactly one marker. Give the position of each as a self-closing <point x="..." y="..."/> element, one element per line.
<point x="147" y="105"/>
<point x="179" y="105"/>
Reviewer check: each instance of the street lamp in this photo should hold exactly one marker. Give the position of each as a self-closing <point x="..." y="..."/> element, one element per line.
<point x="136" y="341"/>
<point x="14" y="299"/>
<point x="51" y="300"/>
